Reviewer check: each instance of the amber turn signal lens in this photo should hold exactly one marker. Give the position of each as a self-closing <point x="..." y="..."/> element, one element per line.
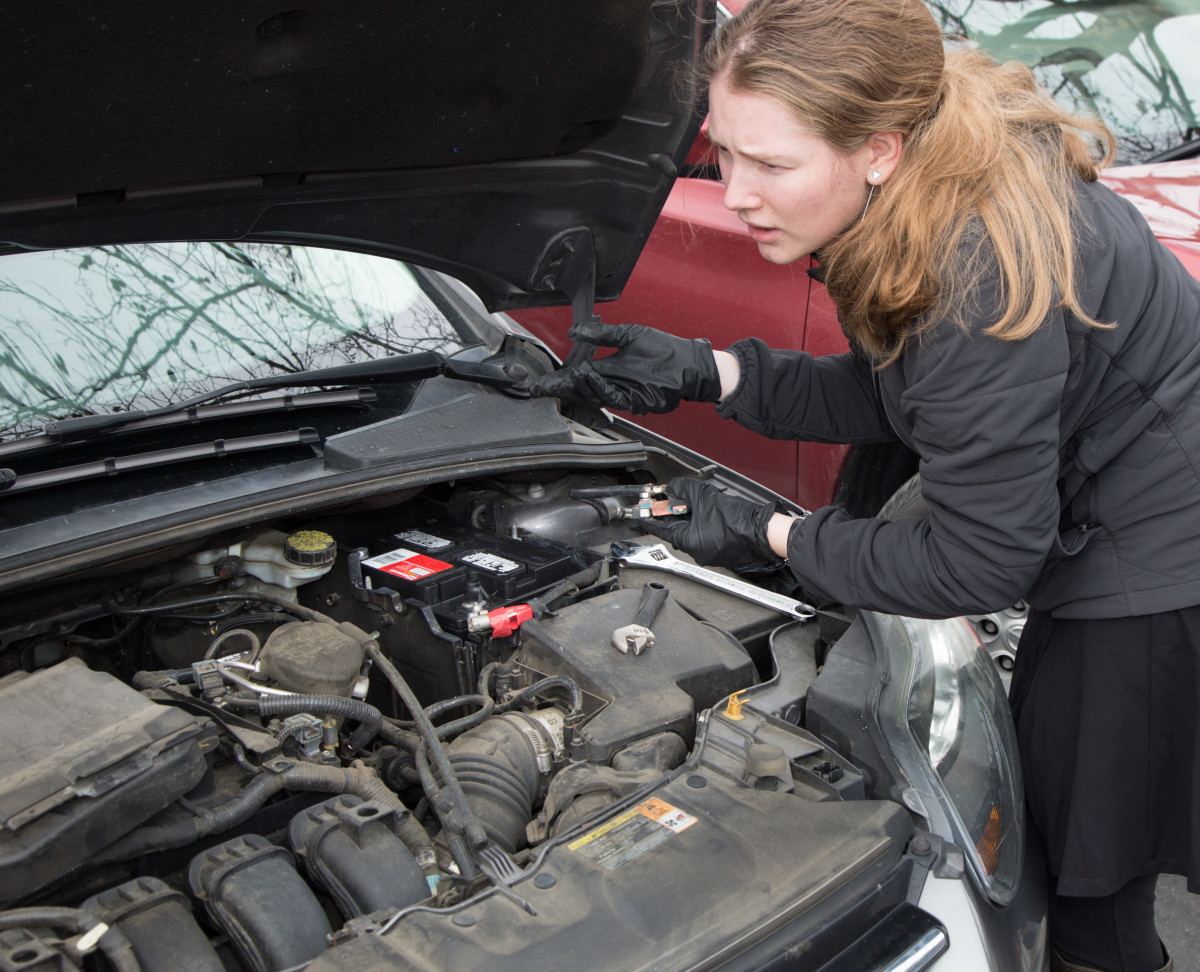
<point x="988" y="844"/>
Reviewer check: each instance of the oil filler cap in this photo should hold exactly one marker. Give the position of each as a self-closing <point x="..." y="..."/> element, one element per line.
<point x="310" y="548"/>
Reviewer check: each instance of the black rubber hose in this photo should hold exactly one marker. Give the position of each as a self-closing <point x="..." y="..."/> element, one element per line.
<point x="148" y="839"/>
<point x="252" y="597"/>
<point x="428" y="783"/>
<point x="159" y="679"/>
<point x="241" y="631"/>
<point x="553" y="681"/>
<point x="78" y="639"/>
<point x="446" y="730"/>
<point x="367" y="716"/>
<point x="462" y="857"/>
<point x="486" y="707"/>
<point x="309" y="777"/>
<point x="113" y="943"/>
<point x="471" y="827"/>
<point x="406" y="739"/>
<point x="568" y="585"/>
<point x="483" y="685"/>
<point x="457" y="846"/>
<point x="445" y="705"/>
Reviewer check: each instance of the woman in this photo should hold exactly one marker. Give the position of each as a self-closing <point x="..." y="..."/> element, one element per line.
<point x="1018" y="326"/>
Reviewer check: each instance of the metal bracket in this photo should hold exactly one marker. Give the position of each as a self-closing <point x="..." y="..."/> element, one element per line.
<point x="381" y="598"/>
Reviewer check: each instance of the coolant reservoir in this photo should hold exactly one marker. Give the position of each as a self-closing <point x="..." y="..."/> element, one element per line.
<point x="285" y="560"/>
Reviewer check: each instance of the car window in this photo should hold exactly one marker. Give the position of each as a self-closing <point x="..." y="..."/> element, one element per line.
<point x="117" y="327"/>
<point x="1134" y="65"/>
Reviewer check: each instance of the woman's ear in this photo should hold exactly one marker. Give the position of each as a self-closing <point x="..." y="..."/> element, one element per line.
<point x="881" y="154"/>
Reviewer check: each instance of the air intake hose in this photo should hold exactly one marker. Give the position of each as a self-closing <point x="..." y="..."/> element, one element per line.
<point x="497" y="766"/>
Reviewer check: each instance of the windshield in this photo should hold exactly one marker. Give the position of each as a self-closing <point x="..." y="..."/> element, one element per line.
<point x="1136" y="66"/>
<point x="120" y="327"/>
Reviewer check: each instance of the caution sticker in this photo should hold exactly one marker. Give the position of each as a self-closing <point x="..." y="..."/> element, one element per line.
<point x="632" y="834"/>
<point x="406" y="563"/>
<point x="668" y="816"/>
<point x="490" y="562"/>
<point x="419" y="538"/>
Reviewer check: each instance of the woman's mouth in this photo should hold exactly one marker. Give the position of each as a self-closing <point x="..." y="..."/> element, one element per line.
<point x="761" y="234"/>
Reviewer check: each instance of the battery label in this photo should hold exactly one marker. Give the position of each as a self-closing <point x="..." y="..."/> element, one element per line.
<point x="426" y="541"/>
<point x="491" y="562"/>
<point x="632" y="834"/>
<point x="408" y="564"/>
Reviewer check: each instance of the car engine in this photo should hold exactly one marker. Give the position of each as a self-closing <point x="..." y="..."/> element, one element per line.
<point x="247" y="751"/>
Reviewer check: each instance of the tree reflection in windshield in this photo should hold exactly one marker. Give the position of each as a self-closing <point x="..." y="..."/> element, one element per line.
<point x="1133" y="65"/>
<point x="119" y="327"/>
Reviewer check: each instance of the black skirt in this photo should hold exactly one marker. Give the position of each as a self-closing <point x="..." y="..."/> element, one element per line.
<point x="1105" y="711"/>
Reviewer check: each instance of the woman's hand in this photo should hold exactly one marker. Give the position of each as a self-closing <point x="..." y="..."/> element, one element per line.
<point x="725" y="530"/>
<point x="651" y="371"/>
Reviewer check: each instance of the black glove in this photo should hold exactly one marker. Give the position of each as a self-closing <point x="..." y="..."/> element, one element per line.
<point x="652" y="371"/>
<point x="725" y="530"/>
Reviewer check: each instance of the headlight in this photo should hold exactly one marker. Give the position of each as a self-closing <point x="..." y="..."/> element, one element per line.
<point x="945" y="717"/>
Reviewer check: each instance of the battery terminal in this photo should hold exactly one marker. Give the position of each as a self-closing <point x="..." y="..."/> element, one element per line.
<point x="632" y="502"/>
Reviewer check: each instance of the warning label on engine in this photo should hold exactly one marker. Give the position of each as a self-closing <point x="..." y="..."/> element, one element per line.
<point x="632" y="834"/>
<point x="488" y="561"/>
<point x="426" y="541"/>
<point x="408" y="564"/>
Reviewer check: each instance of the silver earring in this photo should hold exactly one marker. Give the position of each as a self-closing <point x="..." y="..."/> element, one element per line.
<point x="874" y="177"/>
<point x="870" y="195"/>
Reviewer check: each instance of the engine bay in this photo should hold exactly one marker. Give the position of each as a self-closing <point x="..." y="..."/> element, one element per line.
<point x="324" y="733"/>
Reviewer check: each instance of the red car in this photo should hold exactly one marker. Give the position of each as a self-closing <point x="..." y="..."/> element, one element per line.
<point x="700" y="273"/>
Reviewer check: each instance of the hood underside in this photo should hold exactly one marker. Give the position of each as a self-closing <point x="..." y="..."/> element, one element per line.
<point x="490" y="140"/>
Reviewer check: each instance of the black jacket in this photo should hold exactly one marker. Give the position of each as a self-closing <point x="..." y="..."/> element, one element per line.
<point x="1063" y="468"/>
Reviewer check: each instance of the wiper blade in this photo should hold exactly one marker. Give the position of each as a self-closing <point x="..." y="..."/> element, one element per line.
<point x="11" y="483"/>
<point x="209" y="413"/>
<point x="1188" y="149"/>
<point x="400" y="368"/>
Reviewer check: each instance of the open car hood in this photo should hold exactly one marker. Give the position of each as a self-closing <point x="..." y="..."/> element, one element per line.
<point x="524" y="147"/>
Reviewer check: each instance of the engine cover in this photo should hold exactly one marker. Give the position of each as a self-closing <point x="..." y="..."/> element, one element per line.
<point x="690" y="667"/>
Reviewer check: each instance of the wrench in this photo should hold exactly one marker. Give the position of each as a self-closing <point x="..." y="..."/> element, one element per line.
<point x="655" y="557"/>
<point x="637" y="637"/>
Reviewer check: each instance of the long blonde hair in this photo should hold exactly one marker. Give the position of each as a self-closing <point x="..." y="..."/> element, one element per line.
<point x="989" y="158"/>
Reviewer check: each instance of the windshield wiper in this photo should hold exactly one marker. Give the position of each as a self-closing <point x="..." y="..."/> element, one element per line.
<point x="198" y="414"/>
<point x="1184" y="150"/>
<point x="401" y="368"/>
<point x="11" y="483"/>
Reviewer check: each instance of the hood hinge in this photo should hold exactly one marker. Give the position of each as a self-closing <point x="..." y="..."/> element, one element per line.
<point x="568" y="264"/>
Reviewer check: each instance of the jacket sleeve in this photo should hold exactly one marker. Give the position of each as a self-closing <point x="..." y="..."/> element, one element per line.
<point x="983" y="416"/>
<point x="793" y="395"/>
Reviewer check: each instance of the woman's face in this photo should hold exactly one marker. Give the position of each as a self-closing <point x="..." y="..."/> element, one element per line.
<point x="792" y="189"/>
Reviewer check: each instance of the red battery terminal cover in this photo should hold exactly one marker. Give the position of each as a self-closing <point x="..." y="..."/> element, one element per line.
<point x="505" y="620"/>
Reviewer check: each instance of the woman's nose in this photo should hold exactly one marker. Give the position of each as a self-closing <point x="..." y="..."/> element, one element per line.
<point x="739" y="194"/>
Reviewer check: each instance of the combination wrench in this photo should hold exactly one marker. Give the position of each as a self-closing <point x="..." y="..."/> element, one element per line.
<point x="655" y="557"/>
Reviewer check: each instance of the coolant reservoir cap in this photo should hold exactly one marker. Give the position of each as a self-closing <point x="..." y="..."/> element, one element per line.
<point x="310" y="548"/>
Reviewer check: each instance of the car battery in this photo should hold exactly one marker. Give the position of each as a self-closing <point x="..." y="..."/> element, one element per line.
<point x="441" y="563"/>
